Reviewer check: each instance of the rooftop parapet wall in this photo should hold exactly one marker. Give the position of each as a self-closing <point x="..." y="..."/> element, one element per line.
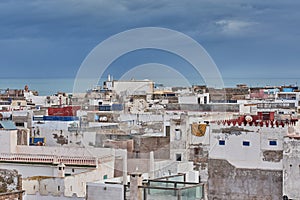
<point x="260" y="123"/>
<point x="47" y="159"/>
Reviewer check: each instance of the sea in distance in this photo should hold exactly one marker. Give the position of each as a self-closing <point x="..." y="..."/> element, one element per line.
<point x="49" y="86"/>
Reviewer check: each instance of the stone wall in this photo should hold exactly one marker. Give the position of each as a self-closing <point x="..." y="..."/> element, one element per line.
<point x="272" y="156"/>
<point x="16" y="195"/>
<point x="228" y="182"/>
<point x="144" y="145"/>
<point x="124" y="144"/>
<point x="10" y="184"/>
<point x="291" y="168"/>
<point x="9" y="180"/>
<point x="101" y="191"/>
<point x="228" y="93"/>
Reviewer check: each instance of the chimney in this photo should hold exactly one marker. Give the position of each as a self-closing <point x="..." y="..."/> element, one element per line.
<point x="61" y="170"/>
<point x="151" y="167"/>
<point x="136" y="180"/>
<point x="125" y="181"/>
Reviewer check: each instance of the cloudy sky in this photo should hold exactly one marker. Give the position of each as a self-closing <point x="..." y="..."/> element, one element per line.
<point x="51" y="38"/>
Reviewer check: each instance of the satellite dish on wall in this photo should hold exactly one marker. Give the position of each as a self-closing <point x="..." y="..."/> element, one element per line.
<point x="248" y="118"/>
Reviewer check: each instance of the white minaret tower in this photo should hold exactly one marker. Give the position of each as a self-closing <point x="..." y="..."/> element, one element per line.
<point x="61" y="170"/>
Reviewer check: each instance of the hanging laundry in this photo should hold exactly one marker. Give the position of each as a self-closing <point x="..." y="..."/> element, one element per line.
<point x="198" y="129"/>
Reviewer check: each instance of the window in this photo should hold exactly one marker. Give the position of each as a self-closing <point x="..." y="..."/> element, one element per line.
<point x="105" y="177"/>
<point x="73" y="170"/>
<point x="246" y="143"/>
<point x="177" y="134"/>
<point x="273" y="143"/>
<point x="205" y="99"/>
<point x="168" y="131"/>
<point x="58" y="188"/>
<point x="20" y="124"/>
<point x="137" y="154"/>
<point x="178" y="157"/>
<point x="221" y="142"/>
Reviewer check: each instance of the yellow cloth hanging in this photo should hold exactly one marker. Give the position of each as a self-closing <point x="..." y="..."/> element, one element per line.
<point x="198" y="129"/>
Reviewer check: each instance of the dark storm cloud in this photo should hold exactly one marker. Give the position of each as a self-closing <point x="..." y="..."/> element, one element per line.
<point x="55" y="35"/>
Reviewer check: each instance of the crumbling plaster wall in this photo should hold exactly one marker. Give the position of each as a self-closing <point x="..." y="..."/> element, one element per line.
<point x="291" y="168"/>
<point x="8" y="180"/>
<point x="228" y="182"/>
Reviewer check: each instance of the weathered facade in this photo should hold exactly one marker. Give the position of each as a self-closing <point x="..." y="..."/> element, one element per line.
<point x="229" y="182"/>
<point x="10" y="185"/>
<point x="291" y="168"/>
<point x="245" y="162"/>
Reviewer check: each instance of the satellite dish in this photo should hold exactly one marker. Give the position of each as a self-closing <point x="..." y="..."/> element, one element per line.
<point x="248" y="118"/>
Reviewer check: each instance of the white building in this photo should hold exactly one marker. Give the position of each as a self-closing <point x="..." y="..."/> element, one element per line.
<point x="292" y="97"/>
<point x="291" y="164"/>
<point x="8" y="137"/>
<point x="247" y="146"/>
<point x="246" y="162"/>
<point x="72" y="186"/>
<point x="194" y="99"/>
<point x="132" y="87"/>
<point x="41" y="166"/>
